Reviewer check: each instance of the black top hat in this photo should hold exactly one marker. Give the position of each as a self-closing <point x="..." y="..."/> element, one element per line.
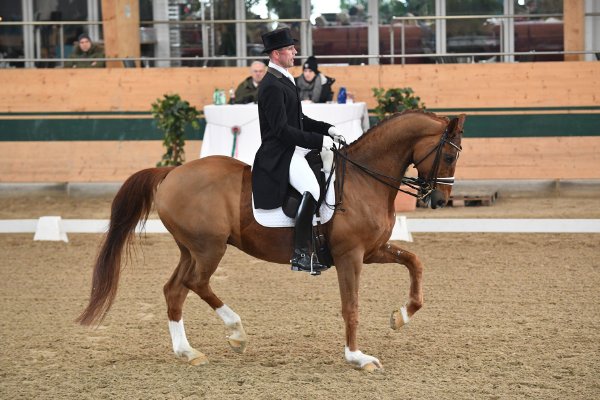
<point x="277" y="39"/>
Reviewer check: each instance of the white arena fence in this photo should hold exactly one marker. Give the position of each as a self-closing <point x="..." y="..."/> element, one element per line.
<point x="56" y="228"/>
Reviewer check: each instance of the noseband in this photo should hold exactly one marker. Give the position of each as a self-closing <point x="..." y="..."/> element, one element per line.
<point x="424" y="187"/>
<point x="428" y="185"/>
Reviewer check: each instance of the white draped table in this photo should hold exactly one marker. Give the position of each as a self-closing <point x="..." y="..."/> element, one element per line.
<point x="233" y="130"/>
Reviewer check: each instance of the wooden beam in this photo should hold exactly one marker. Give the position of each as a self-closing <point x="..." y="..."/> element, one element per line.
<point x="121" y="24"/>
<point x="574" y="28"/>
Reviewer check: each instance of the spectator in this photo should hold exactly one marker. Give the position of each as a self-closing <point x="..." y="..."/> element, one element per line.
<point x="320" y="21"/>
<point x="86" y="49"/>
<point x="247" y="91"/>
<point x="343" y="18"/>
<point x="357" y="13"/>
<point x="314" y="86"/>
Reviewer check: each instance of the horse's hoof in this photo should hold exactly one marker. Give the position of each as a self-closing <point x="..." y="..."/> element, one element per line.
<point x="371" y="367"/>
<point x="399" y="318"/>
<point x="237" y="345"/>
<point x="200" y="360"/>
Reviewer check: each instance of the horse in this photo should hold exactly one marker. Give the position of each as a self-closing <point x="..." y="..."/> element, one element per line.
<point x="205" y="204"/>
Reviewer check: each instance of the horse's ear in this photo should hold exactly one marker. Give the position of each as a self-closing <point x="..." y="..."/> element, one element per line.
<point x="456" y="125"/>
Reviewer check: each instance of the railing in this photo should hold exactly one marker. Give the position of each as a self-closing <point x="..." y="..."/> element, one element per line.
<point x="472" y="56"/>
<point x="469" y="56"/>
<point x="145" y="60"/>
<point x="62" y="24"/>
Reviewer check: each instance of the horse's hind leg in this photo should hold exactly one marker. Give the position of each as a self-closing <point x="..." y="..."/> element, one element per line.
<point x="206" y="261"/>
<point x="390" y="253"/>
<point x="175" y="294"/>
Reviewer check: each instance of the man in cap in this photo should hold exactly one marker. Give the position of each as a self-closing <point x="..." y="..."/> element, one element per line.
<point x="314" y="86"/>
<point x="86" y="49"/>
<point x="287" y="136"/>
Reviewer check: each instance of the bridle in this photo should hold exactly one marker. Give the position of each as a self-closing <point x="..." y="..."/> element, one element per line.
<point x="424" y="187"/>
<point x="428" y="185"/>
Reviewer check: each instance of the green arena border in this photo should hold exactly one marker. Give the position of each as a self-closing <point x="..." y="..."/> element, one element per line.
<point x="139" y="125"/>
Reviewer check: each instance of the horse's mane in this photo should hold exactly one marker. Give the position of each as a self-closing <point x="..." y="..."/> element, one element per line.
<point x="394" y="117"/>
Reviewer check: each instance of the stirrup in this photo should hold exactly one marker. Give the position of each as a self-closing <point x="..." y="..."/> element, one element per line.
<point x="301" y="262"/>
<point x="313" y="271"/>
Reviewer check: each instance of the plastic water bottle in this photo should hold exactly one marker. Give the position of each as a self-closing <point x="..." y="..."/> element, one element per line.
<point x="231" y="96"/>
<point x="342" y="96"/>
<point x="216" y="97"/>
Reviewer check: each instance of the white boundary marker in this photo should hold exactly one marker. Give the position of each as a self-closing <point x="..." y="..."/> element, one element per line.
<point x="50" y="228"/>
<point x="402" y="230"/>
<point x="505" y="225"/>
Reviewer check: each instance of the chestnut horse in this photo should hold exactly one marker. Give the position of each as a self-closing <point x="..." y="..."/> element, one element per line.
<point x="206" y="205"/>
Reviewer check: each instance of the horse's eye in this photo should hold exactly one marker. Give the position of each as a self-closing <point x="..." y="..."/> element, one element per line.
<point x="449" y="158"/>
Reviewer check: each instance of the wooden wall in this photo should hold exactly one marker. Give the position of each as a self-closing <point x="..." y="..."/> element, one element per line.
<point x="482" y="158"/>
<point x="459" y="86"/>
<point x="79" y="161"/>
<point x="548" y="84"/>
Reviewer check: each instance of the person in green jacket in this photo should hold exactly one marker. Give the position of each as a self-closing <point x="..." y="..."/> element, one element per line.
<point x="86" y="49"/>
<point x="247" y="91"/>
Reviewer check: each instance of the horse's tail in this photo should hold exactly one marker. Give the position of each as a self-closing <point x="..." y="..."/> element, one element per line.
<point x="132" y="203"/>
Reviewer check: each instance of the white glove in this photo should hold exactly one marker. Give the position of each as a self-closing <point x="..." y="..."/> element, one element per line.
<point x="335" y="135"/>
<point x="327" y="154"/>
<point x="327" y="157"/>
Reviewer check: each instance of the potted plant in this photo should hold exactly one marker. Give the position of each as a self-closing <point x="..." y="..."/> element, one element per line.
<point x="395" y="100"/>
<point x="173" y="115"/>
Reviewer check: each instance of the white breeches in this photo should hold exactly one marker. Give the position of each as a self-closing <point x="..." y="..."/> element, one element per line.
<point x="302" y="177"/>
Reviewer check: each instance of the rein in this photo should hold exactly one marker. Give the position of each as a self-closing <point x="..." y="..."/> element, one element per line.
<point x="424" y="187"/>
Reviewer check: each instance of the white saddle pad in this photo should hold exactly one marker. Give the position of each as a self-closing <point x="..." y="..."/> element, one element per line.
<point x="277" y="219"/>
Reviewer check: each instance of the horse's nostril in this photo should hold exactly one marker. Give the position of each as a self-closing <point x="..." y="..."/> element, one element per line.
<point x="439" y="204"/>
<point x="437" y="199"/>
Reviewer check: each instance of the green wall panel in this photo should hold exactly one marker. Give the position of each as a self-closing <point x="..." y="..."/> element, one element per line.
<point x="86" y="129"/>
<point x="137" y="126"/>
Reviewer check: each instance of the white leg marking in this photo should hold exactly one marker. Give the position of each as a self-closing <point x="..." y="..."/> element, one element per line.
<point x="228" y="316"/>
<point x="358" y="358"/>
<point x="237" y="338"/>
<point x="181" y="346"/>
<point x="404" y="314"/>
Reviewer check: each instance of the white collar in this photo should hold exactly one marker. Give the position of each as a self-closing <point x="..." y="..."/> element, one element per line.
<point x="282" y="70"/>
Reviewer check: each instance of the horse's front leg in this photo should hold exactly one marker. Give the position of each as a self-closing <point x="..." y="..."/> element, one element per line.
<point x="390" y="253"/>
<point x="348" y="272"/>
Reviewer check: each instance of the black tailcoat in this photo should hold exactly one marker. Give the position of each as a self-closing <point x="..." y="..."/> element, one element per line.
<point x="282" y="128"/>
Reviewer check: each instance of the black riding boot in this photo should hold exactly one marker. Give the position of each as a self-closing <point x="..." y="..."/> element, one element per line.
<point x="304" y="257"/>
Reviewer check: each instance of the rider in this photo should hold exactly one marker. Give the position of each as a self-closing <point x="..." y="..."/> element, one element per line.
<point x="287" y="136"/>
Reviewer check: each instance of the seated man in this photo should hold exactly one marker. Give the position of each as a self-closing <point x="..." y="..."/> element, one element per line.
<point x="313" y="85"/>
<point x="247" y="91"/>
<point x="86" y="49"/>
